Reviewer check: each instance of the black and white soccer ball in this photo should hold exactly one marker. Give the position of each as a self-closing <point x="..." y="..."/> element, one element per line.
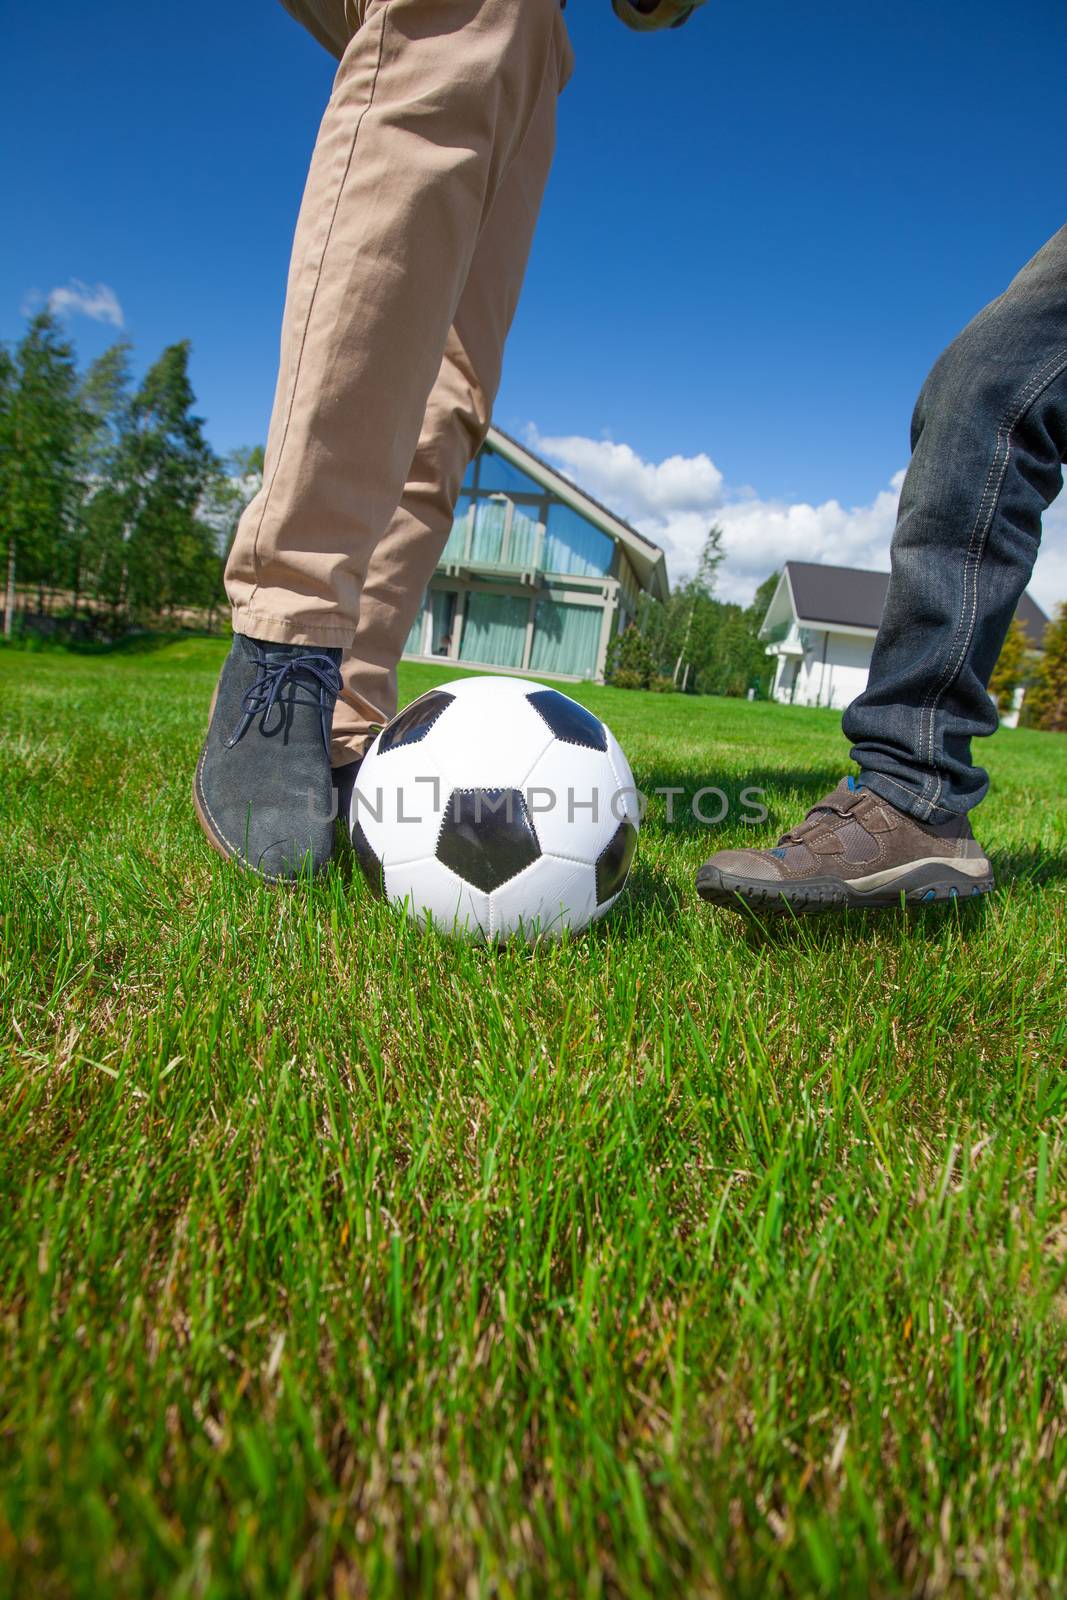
<point x="496" y="806"/>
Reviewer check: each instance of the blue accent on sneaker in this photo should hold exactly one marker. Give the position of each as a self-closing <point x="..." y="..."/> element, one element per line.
<point x="780" y="854"/>
<point x="855" y="783"/>
<point x="931" y="894"/>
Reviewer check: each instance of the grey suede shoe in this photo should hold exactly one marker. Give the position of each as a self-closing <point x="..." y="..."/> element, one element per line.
<point x="262" y="788"/>
<point x="852" y="849"/>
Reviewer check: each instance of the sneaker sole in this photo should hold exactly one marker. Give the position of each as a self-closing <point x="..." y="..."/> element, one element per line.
<point x="918" y="885"/>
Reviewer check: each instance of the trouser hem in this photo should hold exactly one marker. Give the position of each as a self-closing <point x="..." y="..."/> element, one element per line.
<point x="281" y="630"/>
<point x="349" y="747"/>
<point x="903" y="798"/>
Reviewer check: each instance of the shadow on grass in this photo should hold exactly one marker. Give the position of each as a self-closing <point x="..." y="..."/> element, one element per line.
<point x="826" y="928"/>
<point x="774" y="791"/>
<point x="129" y="644"/>
<point x="1028" y="866"/>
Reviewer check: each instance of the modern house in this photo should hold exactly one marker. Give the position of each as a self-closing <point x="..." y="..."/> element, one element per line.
<point x="821" y="625"/>
<point x="536" y="576"/>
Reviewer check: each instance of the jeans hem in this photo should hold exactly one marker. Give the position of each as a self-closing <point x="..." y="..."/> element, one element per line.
<point x="902" y="798"/>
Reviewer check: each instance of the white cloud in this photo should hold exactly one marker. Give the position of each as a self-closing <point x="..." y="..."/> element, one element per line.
<point x="77" y="299"/>
<point x="675" y="501"/>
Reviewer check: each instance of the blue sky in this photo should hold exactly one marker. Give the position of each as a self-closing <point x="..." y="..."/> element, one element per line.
<point x="759" y="233"/>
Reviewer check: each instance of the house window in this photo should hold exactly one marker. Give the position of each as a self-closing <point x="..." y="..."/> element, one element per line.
<point x="574" y="547"/>
<point x="494" y="631"/>
<point x="522" y="548"/>
<point x="494" y="473"/>
<point x="490" y="520"/>
<point x="504" y="534"/>
<point x="413" y="643"/>
<point x="443" y="618"/>
<point x="566" y="638"/>
<point x="456" y="548"/>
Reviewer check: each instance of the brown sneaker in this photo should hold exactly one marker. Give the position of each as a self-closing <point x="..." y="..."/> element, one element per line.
<point x="852" y="849"/>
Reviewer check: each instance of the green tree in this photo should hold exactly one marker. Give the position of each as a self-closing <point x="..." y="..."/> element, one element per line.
<point x="1046" y="699"/>
<point x="630" y="663"/>
<point x="42" y="424"/>
<point x="761" y="600"/>
<point x="711" y="559"/>
<point x="105" y="401"/>
<point x="677" y="632"/>
<point x="7" y="445"/>
<point x="164" y="471"/>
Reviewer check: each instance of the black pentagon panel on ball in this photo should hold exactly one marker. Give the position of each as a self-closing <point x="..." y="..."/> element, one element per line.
<point x="487" y="836"/>
<point x="614" y="861"/>
<point x="570" y="722"/>
<point x="367" y="857"/>
<point x="415" y="721"/>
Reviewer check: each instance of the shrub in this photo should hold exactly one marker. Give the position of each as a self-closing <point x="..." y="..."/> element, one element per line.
<point x="623" y="678"/>
<point x="629" y="663"/>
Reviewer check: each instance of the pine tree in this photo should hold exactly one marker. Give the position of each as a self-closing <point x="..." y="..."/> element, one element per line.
<point x="42" y="424"/>
<point x="105" y="400"/>
<point x="7" y="446"/>
<point x="164" y="469"/>
<point x="1046" y="700"/>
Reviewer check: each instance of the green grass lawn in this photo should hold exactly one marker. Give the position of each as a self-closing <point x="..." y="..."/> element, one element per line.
<point x="693" y="1254"/>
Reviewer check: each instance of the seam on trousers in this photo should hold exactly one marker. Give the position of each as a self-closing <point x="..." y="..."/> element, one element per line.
<point x="972" y="566"/>
<point x="311" y="309"/>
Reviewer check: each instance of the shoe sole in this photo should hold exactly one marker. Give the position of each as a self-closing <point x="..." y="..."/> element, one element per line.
<point x="929" y="882"/>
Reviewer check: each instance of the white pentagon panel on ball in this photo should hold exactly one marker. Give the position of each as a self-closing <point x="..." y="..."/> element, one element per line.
<point x="490" y="735"/>
<point x="429" y="886"/>
<point x="544" y="900"/>
<point x="628" y="805"/>
<point x="561" y="791"/>
<point x="398" y="801"/>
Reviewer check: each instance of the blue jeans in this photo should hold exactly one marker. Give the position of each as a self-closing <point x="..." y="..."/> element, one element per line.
<point x="988" y="439"/>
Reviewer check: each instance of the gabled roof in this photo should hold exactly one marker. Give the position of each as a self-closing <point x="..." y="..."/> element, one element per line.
<point x="852" y="597"/>
<point x="646" y="558"/>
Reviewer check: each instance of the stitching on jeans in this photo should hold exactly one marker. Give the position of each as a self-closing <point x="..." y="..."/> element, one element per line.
<point x="884" y="776"/>
<point x="311" y="309"/>
<point x="972" y="565"/>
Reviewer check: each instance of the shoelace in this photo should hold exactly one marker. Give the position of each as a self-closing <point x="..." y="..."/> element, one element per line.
<point x="263" y="696"/>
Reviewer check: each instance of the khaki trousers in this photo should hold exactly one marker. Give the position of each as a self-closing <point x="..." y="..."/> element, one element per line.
<point x="410" y="249"/>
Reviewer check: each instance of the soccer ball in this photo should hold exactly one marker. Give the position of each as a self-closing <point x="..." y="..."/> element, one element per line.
<point x="498" y="807"/>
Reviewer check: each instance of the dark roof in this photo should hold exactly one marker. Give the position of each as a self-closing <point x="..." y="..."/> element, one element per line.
<point x="855" y="598"/>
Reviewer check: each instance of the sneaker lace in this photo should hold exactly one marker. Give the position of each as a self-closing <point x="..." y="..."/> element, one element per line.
<point x="314" y="673"/>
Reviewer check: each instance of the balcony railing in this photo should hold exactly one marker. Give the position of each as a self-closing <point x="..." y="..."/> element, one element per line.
<point x="788" y="640"/>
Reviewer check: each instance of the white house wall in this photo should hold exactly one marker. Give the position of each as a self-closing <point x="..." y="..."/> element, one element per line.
<point x="832" y="670"/>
